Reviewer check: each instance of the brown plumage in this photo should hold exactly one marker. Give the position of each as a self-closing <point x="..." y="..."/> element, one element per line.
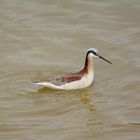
<point x="77" y="80"/>
<point x="67" y="78"/>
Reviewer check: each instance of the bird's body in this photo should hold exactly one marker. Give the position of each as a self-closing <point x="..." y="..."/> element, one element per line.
<point x="78" y="80"/>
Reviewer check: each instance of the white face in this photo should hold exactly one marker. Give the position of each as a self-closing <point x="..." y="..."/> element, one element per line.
<point x="94" y="53"/>
<point x="93" y="50"/>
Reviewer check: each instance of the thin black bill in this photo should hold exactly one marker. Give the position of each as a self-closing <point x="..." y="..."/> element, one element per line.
<point x="104" y="59"/>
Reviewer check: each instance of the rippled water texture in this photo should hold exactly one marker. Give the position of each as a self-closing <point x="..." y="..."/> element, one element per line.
<point x="43" y="38"/>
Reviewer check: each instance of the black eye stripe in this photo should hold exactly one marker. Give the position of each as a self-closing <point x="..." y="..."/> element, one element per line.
<point x="91" y="51"/>
<point x="94" y="53"/>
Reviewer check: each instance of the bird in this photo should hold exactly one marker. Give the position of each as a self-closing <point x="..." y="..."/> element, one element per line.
<point x="77" y="80"/>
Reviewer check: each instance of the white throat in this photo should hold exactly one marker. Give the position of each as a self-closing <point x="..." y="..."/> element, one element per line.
<point x="90" y="68"/>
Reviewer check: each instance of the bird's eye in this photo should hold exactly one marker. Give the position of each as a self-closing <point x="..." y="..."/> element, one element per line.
<point x="94" y="53"/>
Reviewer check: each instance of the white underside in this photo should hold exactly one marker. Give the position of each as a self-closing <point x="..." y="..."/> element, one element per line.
<point x="83" y="83"/>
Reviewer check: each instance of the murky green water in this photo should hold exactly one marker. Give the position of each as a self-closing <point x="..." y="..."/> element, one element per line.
<point x="43" y="38"/>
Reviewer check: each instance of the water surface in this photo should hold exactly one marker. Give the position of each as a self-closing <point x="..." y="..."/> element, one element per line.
<point x="41" y="39"/>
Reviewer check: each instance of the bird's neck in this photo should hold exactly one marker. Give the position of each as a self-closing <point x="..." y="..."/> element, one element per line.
<point x="89" y="64"/>
<point x="88" y="67"/>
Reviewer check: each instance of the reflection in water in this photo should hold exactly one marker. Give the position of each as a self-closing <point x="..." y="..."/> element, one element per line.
<point x="45" y="90"/>
<point x="85" y="98"/>
<point x="83" y="95"/>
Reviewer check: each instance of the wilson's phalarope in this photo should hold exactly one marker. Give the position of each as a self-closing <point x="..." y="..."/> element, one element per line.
<point x="78" y="80"/>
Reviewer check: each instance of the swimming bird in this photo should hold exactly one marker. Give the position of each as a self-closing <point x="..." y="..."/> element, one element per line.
<point x="77" y="80"/>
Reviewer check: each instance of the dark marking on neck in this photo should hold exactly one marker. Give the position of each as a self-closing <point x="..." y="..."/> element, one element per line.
<point x="86" y="60"/>
<point x="87" y="63"/>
